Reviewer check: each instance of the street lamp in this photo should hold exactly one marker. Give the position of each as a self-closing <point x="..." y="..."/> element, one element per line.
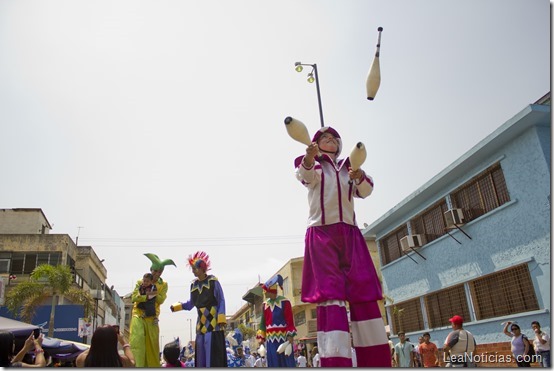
<point x="312" y="76"/>
<point x="97" y="296"/>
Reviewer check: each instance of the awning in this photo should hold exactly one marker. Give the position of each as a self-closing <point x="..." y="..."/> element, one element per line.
<point x="59" y="348"/>
<point x="251" y="295"/>
<point x="63" y="349"/>
<point x="16" y="327"/>
<point x="308" y="339"/>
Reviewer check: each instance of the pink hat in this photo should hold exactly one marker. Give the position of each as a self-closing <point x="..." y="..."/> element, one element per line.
<point x="333" y="132"/>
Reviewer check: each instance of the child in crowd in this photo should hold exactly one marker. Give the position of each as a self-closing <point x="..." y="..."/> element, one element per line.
<point x="171" y="354"/>
<point x="148" y="288"/>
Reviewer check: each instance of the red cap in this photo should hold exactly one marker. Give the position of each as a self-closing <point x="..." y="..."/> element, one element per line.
<point x="457" y="320"/>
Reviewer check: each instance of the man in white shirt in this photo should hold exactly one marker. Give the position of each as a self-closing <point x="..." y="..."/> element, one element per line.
<point x="541" y="342"/>
<point x="316" y="361"/>
<point x="249" y="359"/>
<point x="301" y="360"/>
<point x="404" y="352"/>
<point x="260" y="362"/>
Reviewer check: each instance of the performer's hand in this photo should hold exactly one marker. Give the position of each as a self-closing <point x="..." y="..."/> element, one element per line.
<point x="311" y="151"/>
<point x="356" y="174"/>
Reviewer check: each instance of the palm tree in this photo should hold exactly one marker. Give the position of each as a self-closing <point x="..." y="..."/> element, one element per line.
<point x="247" y="332"/>
<point x="396" y="311"/>
<point x="46" y="281"/>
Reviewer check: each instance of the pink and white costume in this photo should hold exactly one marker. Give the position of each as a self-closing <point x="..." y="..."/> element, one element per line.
<point x="338" y="268"/>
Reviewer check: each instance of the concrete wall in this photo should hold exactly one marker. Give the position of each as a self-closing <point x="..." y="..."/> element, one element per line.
<point x="23" y="221"/>
<point x="38" y="242"/>
<point x="517" y="232"/>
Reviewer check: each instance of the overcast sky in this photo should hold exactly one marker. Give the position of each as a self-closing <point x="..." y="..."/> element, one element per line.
<point x="157" y="126"/>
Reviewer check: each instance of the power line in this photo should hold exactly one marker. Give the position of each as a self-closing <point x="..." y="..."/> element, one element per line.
<point x="194" y="242"/>
<point x="195" y="239"/>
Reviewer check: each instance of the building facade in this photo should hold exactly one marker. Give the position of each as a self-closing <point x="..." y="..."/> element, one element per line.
<point x="23" y="221"/>
<point x="26" y="242"/>
<point x="305" y="314"/>
<point x="475" y="239"/>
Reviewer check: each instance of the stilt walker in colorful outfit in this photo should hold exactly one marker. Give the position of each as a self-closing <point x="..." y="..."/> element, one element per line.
<point x="337" y="265"/>
<point x="206" y="295"/>
<point x="144" y="331"/>
<point x="277" y="326"/>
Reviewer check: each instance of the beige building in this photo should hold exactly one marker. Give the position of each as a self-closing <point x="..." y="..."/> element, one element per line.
<point x="305" y="314"/>
<point x="26" y="242"/>
<point x="23" y="221"/>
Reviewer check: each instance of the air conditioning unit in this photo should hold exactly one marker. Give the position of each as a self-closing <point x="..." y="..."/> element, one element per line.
<point x="411" y="241"/>
<point x="312" y="326"/>
<point x="454" y="217"/>
<point x="98" y="294"/>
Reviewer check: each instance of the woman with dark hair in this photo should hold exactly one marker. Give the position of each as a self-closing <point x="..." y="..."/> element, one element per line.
<point x="103" y="350"/>
<point x="520" y="344"/>
<point x="171" y="355"/>
<point x="7" y="348"/>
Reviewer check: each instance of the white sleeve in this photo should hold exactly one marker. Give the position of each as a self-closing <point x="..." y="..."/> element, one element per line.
<point x="308" y="176"/>
<point x="365" y="187"/>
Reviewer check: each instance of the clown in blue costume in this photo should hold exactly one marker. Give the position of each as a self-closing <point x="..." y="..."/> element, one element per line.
<point x="206" y="295"/>
<point x="277" y="325"/>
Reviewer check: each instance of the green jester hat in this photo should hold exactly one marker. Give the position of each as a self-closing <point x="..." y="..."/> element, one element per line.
<point x="157" y="263"/>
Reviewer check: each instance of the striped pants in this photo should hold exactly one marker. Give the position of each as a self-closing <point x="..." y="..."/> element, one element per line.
<point x="368" y="335"/>
<point x="338" y="269"/>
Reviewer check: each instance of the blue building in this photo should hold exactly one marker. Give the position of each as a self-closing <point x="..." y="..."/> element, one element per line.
<point x="475" y="239"/>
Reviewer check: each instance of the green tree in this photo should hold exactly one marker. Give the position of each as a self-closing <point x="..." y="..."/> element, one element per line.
<point x="247" y="332"/>
<point x="397" y="312"/>
<point x="46" y="281"/>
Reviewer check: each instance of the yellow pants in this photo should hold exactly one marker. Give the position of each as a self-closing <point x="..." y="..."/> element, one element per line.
<point x="144" y="341"/>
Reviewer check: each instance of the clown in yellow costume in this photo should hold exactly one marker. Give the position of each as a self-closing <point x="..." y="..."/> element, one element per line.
<point x="144" y="338"/>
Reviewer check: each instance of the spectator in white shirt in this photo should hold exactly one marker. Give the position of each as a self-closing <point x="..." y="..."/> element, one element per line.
<point x="301" y="360"/>
<point x="541" y="342"/>
<point x="316" y="362"/>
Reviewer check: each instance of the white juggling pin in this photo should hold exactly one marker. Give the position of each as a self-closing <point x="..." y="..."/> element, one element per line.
<point x="262" y="351"/>
<point x="297" y="130"/>
<point x="282" y="347"/>
<point x="374" y="76"/>
<point x="288" y="349"/>
<point x="357" y="156"/>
